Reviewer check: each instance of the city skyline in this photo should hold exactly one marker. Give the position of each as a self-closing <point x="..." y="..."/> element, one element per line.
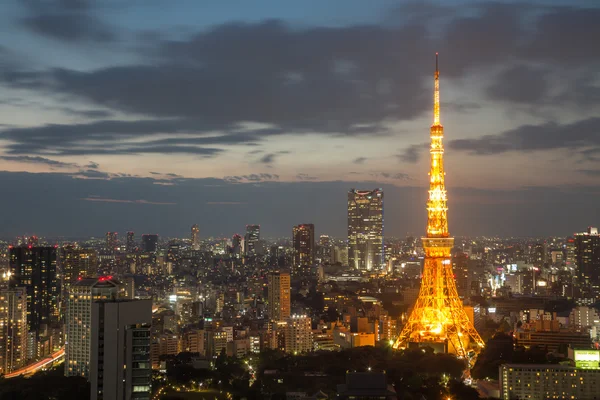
<point x="521" y="96"/>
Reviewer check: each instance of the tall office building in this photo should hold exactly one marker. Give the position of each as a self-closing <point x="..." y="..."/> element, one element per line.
<point x="149" y="243"/>
<point x="279" y="295"/>
<point x="120" y="366"/>
<point x="304" y="245"/>
<point x="34" y="268"/>
<point x="112" y="240"/>
<point x="13" y="329"/>
<point x="365" y="229"/>
<point x="195" y="237"/>
<point x="251" y="239"/>
<point x="81" y="295"/>
<point x="130" y="244"/>
<point x="587" y="256"/>
<point x="77" y="263"/>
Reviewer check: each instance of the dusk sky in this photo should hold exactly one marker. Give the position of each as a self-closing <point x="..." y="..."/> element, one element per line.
<point x="153" y="115"/>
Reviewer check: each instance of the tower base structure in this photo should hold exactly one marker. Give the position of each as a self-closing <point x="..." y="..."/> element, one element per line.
<point x="438" y="319"/>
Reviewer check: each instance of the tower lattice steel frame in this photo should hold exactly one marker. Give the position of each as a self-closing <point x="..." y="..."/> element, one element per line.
<point x="438" y="315"/>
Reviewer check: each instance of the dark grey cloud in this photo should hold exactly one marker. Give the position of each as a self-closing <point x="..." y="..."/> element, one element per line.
<point x="518" y="212"/>
<point x="579" y="135"/>
<point x="92" y="174"/>
<point x="359" y="160"/>
<point x="590" y="172"/>
<point x="343" y="80"/>
<point x="39" y="160"/>
<point x="267" y="158"/>
<point x="412" y="153"/>
<point x="66" y="20"/>
<point x="92" y="165"/>
<point x="527" y="85"/>
<point x="262" y="177"/>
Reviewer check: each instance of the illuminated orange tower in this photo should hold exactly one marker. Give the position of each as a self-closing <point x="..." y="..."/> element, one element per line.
<point x="438" y="317"/>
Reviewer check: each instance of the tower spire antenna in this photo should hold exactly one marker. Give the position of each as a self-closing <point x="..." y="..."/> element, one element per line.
<point x="436" y="93"/>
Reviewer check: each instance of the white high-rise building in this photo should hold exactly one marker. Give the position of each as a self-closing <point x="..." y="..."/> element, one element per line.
<point x="78" y="321"/>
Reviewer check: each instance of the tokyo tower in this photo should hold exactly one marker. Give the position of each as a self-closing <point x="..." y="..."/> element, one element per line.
<point x="438" y="318"/>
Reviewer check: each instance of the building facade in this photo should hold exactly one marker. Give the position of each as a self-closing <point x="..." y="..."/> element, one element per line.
<point x="34" y="268"/>
<point x="195" y="237"/>
<point x="13" y="329"/>
<point x="77" y="263"/>
<point x="365" y="229"/>
<point x="298" y="335"/>
<point x="78" y="321"/>
<point x="548" y="381"/>
<point x="130" y="244"/>
<point x="149" y="243"/>
<point x="251" y="239"/>
<point x="120" y="366"/>
<point x="303" y="237"/>
<point x="112" y="241"/>
<point x="587" y="256"/>
<point x="279" y="296"/>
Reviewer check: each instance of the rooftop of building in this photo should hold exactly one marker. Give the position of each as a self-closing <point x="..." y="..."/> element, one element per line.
<point x="103" y="281"/>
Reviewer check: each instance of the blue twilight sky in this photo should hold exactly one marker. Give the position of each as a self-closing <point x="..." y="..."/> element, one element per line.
<point x="152" y="115"/>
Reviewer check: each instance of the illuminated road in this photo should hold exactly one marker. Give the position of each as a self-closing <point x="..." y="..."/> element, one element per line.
<point x="35" y="367"/>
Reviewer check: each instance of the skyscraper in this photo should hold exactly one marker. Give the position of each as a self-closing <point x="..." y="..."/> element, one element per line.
<point x="304" y="245"/>
<point x="438" y="318"/>
<point x="130" y="245"/>
<point x="34" y="268"/>
<point x="13" y="329"/>
<point x="587" y="256"/>
<point x="365" y="229"/>
<point x="112" y="240"/>
<point x="81" y="295"/>
<point x="195" y="237"/>
<point x="120" y="367"/>
<point x="149" y="243"/>
<point x="251" y="239"/>
<point x="77" y="263"/>
<point x="279" y="295"/>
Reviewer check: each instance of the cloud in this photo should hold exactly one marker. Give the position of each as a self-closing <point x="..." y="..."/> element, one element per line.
<point x="359" y="160"/>
<point x="267" y="158"/>
<point x="401" y="176"/>
<point x="590" y="172"/>
<point x="105" y="200"/>
<point x="66" y="20"/>
<point x="583" y="135"/>
<point x="528" y="85"/>
<point x="251" y="178"/>
<point x="92" y="165"/>
<point x="305" y="177"/>
<point x="412" y="153"/>
<point x="225" y="203"/>
<point x="38" y="160"/>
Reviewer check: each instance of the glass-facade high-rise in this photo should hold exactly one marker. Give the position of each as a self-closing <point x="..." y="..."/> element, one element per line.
<point x="365" y="229"/>
<point x="34" y="268"/>
<point x="251" y="239"/>
<point x="587" y="256"/>
<point x="130" y="245"/>
<point x="195" y="237"/>
<point x="149" y="243"/>
<point x="304" y="245"/>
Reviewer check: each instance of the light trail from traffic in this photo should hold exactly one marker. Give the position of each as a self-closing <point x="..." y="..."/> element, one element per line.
<point x="35" y="367"/>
